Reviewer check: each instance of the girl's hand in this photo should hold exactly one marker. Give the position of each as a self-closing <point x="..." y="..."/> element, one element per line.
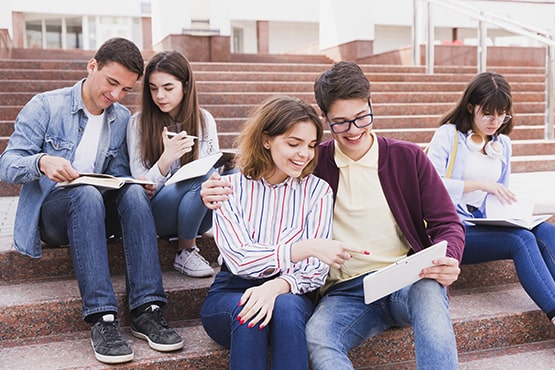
<point x="504" y="195"/>
<point x="174" y="148"/>
<point x="258" y="302"/>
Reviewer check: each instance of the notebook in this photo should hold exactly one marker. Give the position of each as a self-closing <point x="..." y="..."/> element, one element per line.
<point x="398" y="275"/>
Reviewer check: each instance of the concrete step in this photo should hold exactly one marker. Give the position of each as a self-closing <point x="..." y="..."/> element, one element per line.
<point x="241" y="97"/>
<point x="207" y="86"/>
<point x="483" y="320"/>
<point x="76" y="74"/>
<point x="56" y="262"/>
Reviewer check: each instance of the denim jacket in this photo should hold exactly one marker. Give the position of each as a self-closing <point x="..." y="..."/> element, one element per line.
<point x="52" y="123"/>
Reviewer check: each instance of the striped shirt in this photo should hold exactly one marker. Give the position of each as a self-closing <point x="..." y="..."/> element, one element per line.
<point x="257" y="226"/>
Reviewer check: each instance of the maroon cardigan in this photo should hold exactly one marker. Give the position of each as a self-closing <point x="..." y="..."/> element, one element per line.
<point x="413" y="190"/>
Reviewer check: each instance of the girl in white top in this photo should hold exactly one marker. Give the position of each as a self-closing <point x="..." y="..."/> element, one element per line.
<point x="476" y="132"/>
<point x="160" y="142"/>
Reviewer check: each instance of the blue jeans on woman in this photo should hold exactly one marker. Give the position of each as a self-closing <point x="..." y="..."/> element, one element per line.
<point x="83" y="217"/>
<point x="178" y="209"/>
<point x="285" y="333"/>
<point x="532" y="251"/>
<point x="342" y="321"/>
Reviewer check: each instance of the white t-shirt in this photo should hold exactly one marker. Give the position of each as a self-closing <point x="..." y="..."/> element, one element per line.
<point x="479" y="167"/>
<point x="85" y="155"/>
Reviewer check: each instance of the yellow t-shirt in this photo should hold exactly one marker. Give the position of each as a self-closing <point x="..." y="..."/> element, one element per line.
<point x="362" y="218"/>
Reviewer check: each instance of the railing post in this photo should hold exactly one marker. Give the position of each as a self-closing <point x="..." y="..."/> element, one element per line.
<point x="429" y="40"/>
<point x="415" y="36"/>
<point x="549" y="91"/>
<point x="482" y="46"/>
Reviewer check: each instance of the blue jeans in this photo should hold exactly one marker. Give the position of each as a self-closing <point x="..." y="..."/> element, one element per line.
<point x="533" y="253"/>
<point x="83" y="217"/>
<point x="342" y="321"/>
<point x="285" y="333"/>
<point x="178" y="209"/>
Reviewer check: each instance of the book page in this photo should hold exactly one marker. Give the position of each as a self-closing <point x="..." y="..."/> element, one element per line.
<point x="521" y="209"/>
<point x="102" y="180"/>
<point x="196" y="168"/>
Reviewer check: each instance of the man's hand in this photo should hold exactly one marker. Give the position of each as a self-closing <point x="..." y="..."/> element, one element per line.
<point x="445" y="270"/>
<point x="215" y="190"/>
<point x="332" y="252"/>
<point x="57" y="169"/>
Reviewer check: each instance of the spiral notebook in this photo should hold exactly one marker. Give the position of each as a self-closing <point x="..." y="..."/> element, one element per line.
<point x="398" y="275"/>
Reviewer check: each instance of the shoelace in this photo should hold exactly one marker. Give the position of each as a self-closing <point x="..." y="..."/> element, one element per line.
<point x="110" y="331"/>
<point x="159" y="318"/>
<point x="199" y="260"/>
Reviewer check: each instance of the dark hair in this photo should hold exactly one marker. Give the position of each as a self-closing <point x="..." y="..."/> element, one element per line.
<point x="492" y="93"/>
<point x="152" y="120"/>
<point x="121" y="51"/>
<point x="274" y="117"/>
<point x="345" y="80"/>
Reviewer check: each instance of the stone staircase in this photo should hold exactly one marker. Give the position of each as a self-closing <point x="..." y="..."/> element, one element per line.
<point x="497" y="325"/>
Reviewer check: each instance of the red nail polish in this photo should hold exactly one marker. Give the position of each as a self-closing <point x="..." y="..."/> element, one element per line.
<point x="366" y="252"/>
<point x="261" y="327"/>
<point x="238" y="318"/>
<point x="242" y="322"/>
<point x="250" y="325"/>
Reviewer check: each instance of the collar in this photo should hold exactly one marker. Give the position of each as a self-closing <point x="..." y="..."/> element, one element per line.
<point x="370" y="159"/>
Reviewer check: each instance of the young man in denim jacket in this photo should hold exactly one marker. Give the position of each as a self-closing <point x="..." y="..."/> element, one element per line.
<point x="81" y="129"/>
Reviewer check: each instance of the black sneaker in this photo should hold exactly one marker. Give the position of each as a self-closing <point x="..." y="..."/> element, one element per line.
<point x="108" y="344"/>
<point x="152" y="326"/>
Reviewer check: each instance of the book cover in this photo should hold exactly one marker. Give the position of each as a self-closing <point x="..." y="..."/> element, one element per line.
<point x="196" y="168"/>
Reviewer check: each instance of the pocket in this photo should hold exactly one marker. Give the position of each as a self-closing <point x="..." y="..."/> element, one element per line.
<point x="56" y="144"/>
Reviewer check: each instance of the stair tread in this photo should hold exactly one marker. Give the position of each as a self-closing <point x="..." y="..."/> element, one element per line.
<point x="73" y="350"/>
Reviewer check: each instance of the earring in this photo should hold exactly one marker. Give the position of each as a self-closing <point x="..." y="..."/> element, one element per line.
<point x="266" y="146"/>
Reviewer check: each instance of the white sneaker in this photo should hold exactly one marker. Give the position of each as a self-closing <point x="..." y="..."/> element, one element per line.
<point x="190" y="262"/>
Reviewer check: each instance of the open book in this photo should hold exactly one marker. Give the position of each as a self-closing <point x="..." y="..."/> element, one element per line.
<point x="102" y="180"/>
<point x="516" y="214"/>
<point x="196" y="168"/>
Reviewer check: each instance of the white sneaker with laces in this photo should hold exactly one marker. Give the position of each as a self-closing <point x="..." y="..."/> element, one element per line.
<point x="190" y="262"/>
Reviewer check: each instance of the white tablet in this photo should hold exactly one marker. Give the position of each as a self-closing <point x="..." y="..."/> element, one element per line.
<point x="398" y="275"/>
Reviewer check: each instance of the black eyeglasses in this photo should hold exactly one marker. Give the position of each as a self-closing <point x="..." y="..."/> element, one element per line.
<point x="360" y="122"/>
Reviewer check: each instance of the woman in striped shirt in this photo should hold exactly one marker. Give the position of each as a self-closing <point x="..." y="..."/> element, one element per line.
<point x="274" y="237"/>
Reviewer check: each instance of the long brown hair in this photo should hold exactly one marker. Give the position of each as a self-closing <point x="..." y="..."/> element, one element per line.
<point x="274" y="117"/>
<point x="492" y="92"/>
<point x="152" y="120"/>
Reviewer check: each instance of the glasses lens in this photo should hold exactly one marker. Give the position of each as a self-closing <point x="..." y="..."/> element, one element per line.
<point x="340" y="127"/>
<point x="364" y="120"/>
<point x="501" y="119"/>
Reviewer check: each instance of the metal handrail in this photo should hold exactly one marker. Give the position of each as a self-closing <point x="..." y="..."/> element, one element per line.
<point x="537" y="34"/>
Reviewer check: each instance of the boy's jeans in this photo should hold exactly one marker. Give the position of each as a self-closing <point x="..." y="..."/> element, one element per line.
<point x="342" y="321"/>
<point x="83" y="217"/>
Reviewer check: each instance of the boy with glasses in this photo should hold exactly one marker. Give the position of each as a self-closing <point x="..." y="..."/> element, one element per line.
<point x="392" y="190"/>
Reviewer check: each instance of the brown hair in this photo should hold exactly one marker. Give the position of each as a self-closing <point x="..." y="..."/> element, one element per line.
<point x="274" y="117"/>
<point x="345" y="80"/>
<point x="122" y="51"/>
<point x="492" y="93"/>
<point x="152" y="120"/>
